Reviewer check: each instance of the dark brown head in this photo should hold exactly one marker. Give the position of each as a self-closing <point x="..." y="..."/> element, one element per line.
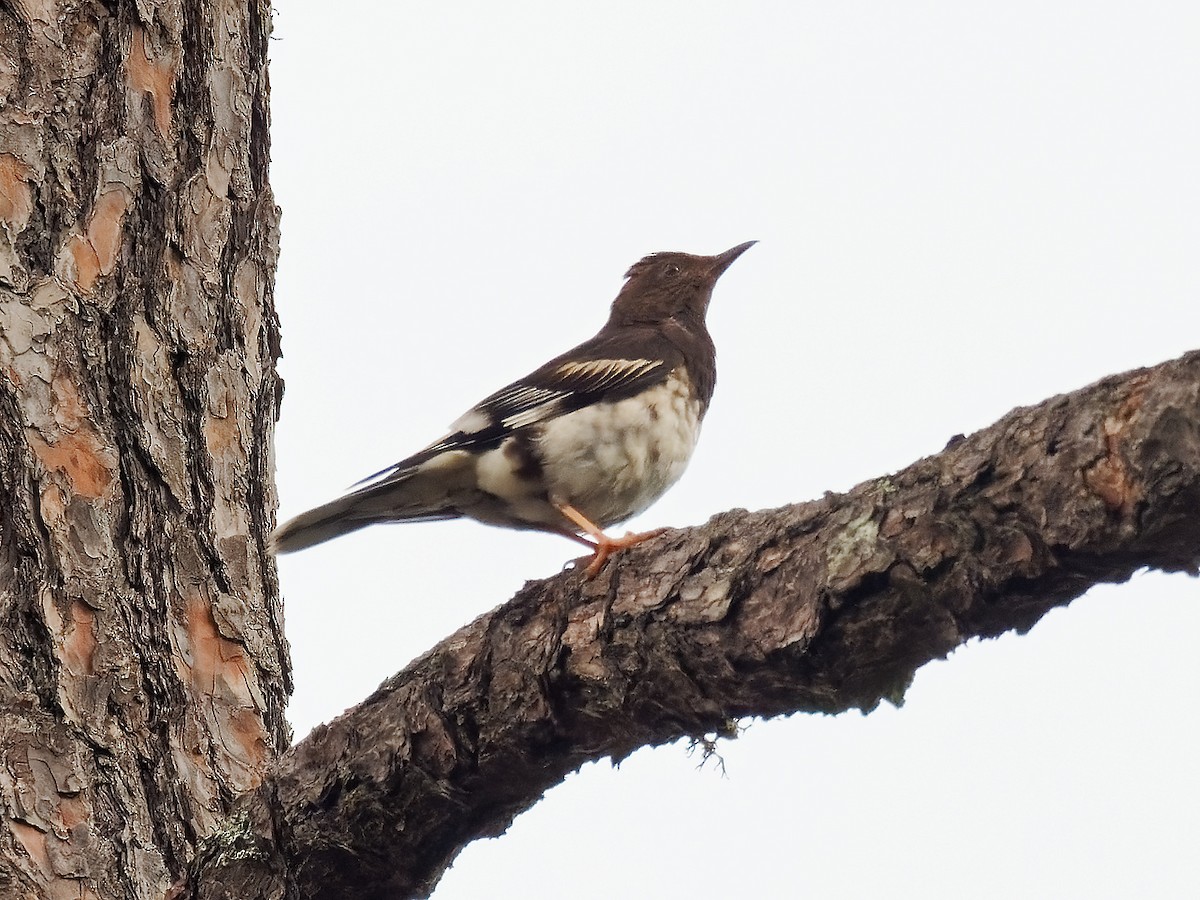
<point x="671" y="285"/>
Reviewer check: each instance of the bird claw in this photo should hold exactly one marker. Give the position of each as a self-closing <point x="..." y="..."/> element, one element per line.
<point x="606" y="547"/>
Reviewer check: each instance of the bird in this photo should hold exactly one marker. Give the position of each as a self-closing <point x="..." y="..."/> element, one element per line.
<point x="584" y="442"/>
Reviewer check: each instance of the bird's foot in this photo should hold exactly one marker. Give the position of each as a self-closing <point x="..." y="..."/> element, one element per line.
<point x="602" y="545"/>
<point x="606" y="547"/>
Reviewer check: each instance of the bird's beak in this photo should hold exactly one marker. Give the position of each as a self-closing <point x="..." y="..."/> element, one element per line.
<point x="723" y="261"/>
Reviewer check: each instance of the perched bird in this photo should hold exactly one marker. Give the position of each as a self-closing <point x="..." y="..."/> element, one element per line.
<point x="590" y="439"/>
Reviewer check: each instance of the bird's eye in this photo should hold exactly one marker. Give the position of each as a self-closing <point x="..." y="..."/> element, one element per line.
<point x="671" y="270"/>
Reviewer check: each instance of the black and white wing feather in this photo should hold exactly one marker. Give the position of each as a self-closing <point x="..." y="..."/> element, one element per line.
<point x="588" y="374"/>
<point x="567" y="387"/>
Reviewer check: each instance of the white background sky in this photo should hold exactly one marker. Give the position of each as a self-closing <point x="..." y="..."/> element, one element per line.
<point x="962" y="207"/>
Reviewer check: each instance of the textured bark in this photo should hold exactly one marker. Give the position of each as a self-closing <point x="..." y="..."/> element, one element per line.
<point x="821" y="607"/>
<point x="143" y="672"/>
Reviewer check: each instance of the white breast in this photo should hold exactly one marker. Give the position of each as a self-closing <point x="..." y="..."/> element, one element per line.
<point x="611" y="461"/>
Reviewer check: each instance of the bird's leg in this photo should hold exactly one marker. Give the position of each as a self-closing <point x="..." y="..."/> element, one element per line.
<point x="604" y="546"/>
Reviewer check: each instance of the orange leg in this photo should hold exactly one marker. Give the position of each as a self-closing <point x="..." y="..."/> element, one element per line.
<point x="604" y="546"/>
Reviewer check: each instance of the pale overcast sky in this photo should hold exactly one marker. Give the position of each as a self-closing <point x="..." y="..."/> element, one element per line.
<point x="962" y="207"/>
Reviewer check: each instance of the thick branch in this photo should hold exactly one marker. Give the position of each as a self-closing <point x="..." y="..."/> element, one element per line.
<point x="822" y="606"/>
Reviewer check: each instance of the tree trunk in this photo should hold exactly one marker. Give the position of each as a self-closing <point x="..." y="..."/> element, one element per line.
<point x="143" y="670"/>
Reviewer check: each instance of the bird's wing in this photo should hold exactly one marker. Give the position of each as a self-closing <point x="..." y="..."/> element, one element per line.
<point x="565" y="387"/>
<point x="598" y="369"/>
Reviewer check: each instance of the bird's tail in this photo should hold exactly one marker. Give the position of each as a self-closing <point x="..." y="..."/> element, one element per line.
<point x="323" y="523"/>
<point x="422" y="493"/>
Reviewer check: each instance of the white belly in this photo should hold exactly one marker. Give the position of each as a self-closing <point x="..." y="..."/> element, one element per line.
<point x="612" y="461"/>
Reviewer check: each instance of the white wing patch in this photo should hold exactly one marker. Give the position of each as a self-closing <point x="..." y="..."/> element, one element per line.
<point x="527" y="404"/>
<point x="471" y="422"/>
<point x="600" y="373"/>
<point x="522" y="396"/>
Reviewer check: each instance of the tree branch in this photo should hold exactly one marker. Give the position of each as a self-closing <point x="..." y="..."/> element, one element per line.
<point x="818" y="607"/>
